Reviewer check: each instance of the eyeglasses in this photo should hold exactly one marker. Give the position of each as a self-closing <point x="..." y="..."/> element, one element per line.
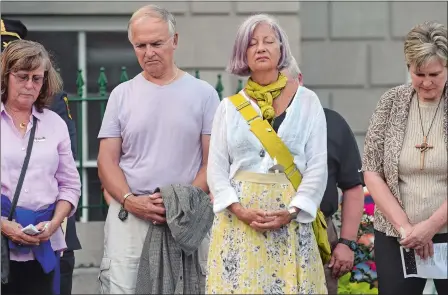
<point x="23" y="78"/>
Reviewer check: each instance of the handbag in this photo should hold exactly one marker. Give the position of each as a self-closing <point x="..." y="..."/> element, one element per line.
<point x="5" y="245"/>
<point x="279" y="151"/>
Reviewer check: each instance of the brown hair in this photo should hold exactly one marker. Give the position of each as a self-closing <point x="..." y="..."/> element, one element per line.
<point x="25" y="55"/>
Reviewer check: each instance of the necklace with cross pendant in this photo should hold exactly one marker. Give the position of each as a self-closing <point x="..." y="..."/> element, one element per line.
<point x="424" y="146"/>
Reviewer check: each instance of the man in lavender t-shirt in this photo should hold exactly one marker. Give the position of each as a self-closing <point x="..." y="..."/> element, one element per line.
<point x="155" y="132"/>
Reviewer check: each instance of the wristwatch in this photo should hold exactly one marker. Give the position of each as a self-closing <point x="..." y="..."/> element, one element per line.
<point x="351" y="244"/>
<point x="123" y="213"/>
<point x="293" y="212"/>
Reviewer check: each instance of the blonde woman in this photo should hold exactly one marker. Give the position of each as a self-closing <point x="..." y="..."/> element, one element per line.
<point x="262" y="240"/>
<point x="405" y="161"/>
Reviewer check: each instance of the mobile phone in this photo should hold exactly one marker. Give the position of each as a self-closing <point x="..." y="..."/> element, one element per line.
<point x="31" y="230"/>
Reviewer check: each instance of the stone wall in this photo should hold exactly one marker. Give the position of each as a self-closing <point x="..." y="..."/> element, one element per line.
<point x="206" y="29"/>
<point x="349" y="52"/>
<point x="352" y="52"/>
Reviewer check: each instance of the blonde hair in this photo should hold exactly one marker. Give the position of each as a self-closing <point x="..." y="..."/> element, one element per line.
<point x="425" y="42"/>
<point x="152" y="10"/>
<point x="25" y="55"/>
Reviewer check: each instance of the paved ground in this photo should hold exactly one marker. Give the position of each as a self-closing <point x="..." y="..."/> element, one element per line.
<point x="85" y="277"/>
<point x="85" y="281"/>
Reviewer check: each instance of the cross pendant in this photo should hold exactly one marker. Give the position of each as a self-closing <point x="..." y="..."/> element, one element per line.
<point x="424" y="146"/>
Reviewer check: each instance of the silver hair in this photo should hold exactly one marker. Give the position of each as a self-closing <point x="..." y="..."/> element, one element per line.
<point x="238" y="64"/>
<point x="152" y="10"/>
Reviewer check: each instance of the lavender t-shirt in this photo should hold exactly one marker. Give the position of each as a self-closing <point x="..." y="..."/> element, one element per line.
<point x="161" y="128"/>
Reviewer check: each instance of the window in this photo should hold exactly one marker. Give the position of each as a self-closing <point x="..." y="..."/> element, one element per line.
<point x="63" y="47"/>
<point x="112" y="51"/>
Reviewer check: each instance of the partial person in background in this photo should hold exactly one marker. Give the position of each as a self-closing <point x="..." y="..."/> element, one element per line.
<point x="50" y="191"/>
<point x="15" y="30"/>
<point x="405" y="162"/>
<point x="344" y="165"/>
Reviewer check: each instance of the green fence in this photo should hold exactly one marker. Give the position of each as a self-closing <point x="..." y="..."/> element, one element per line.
<point x="102" y="97"/>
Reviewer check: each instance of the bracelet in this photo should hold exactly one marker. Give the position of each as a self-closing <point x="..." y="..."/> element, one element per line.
<point x="125" y="197"/>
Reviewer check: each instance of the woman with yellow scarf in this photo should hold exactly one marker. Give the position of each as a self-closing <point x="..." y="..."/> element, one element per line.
<point x="267" y="171"/>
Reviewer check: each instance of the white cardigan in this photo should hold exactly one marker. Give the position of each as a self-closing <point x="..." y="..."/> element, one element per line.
<point x="234" y="147"/>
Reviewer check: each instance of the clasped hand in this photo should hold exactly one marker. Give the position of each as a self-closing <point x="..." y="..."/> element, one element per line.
<point x="13" y="231"/>
<point x="262" y="220"/>
<point x="47" y="229"/>
<point x="419" y="237"/>
<point x="342" y="259"/>
<point x="147" y="207"/>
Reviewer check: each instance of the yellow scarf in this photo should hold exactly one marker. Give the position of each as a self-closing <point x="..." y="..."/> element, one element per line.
<point x="265" y="95"/>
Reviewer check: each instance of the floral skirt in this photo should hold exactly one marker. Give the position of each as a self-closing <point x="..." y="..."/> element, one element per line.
<point x="242" y="260"/>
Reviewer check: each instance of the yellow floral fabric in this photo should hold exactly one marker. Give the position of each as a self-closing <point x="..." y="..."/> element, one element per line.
<point x="242" y="260"/>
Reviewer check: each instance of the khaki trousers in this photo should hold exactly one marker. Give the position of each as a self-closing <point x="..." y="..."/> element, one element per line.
<point x="123" y="243"/>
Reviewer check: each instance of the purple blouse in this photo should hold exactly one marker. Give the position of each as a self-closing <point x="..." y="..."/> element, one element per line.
<point x="51" y="173"/>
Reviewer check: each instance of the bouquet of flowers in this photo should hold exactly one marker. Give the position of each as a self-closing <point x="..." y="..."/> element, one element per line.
<point x="363" y="278"/>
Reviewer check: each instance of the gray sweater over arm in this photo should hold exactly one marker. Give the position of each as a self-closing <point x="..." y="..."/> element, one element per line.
<point x="169" y="261"/>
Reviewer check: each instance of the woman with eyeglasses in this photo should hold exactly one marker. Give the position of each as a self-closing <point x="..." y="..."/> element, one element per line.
<point x="37" y="170"/>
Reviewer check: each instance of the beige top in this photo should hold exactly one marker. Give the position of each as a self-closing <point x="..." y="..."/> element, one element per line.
<point x="423" y="191"/>
<point x="384" y="143"/>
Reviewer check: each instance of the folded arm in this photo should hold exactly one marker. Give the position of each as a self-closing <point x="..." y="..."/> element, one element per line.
<point x="373" y="161"/>
<point x="439" y="218"/>
<point x="384" y="200"/>
<point x="218" y="166"/>
<point x="201" y="178"/>
<point x="109" y="171"/>
<point x="311" y="190"/>
<point x="69" y="182"/>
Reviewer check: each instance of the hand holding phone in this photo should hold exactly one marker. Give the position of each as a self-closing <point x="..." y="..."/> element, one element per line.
<point x="31" y="230"/>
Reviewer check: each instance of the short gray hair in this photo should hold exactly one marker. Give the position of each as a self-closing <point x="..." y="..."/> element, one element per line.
<point x="238" y="63"/>
<point x="152" y="10"/>
<point x="425" y="42"/>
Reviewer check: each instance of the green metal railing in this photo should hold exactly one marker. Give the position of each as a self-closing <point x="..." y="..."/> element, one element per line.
<point x="102" y="98"/>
